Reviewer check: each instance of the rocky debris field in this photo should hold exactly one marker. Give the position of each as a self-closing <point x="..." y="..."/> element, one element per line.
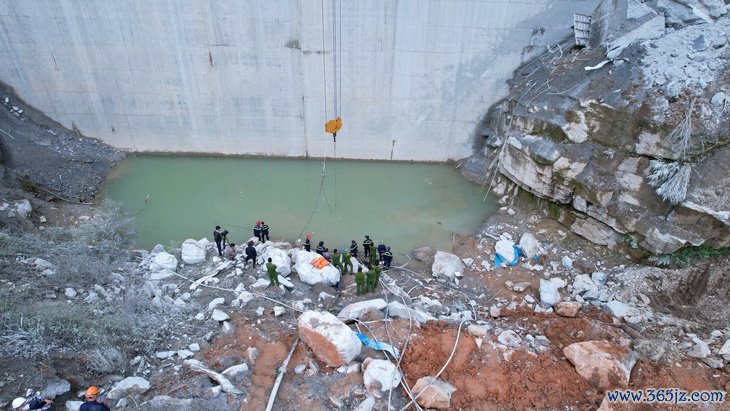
<point x="448" y="329"/>
<point x="627" y="138"/>
<point x="40" y="155"/>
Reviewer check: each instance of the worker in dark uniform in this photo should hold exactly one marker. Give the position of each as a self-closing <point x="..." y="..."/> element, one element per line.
<point x="308" y="242"/>
<point x="264" y="232"/>
<point x="257" y="230"/>
<point x="337" y="260"/>
<point x="381" y="250"/>
<point x="360" y="281"/>
<point x="346" y="263"/>
<point x="320" y="248"/>
<point x="94" y="402"/>
<point x="218" y="238"/>
<point x="250" y="255"/>
<point x="366" y="245"/>
<point x="271" y="271"/>
<point x="353" y="249"/>
<point x="371" y="279"/>
<point x="387" y="258"/>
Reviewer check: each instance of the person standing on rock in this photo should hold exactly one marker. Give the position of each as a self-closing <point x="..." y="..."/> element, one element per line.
<point x="337" y="260"/>
<point x="218" y="238"/>
<point x="264" y="232"/>
<point x="381" y="250"/>
<point x="257" y="230"/>
<point x="308" y="243"/>
<point x="346" y="263"/>
<point x="360" y="281"/>
<point x="353" y="248"/>
<point x="366" y="245"/>
<point x="33" y="403"/>
<point x="373" y="257"/>
<point x="273" y="275"/>
<point x="92" y="401"/>
<point x="231" y="251"/>
<point x="376" y="272"/>
<point x="320" y="248"/>
<point x="371" y="279"/>
<point x="387" y="258"/>
<point x="251" y="254"/>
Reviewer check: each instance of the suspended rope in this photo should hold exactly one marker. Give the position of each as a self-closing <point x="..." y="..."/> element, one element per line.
<point x="333" y="125"/>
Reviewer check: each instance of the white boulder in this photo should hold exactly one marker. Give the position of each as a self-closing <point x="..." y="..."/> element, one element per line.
<point x="219" y="315"/>
<point x="549" y="294"/>
<point x="355" y="310"/>
<point x="163" y="260"/>
<point x="330" y="339"/>
<point x="505" y="248"/>
<point x="446" y="265"/>
<point x="621" y="310"/>
<point x="23" y="208"/>
<point x="380" y="375"/>
<point x="328" y="275"/>
<point x="127" y="386"/>
<point x="529" y="245"/>
<point x="192" y="252"/>
<point x="278" y="257"/>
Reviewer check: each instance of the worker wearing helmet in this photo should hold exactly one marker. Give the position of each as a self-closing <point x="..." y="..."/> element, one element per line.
<point x="264" y="232"/>
<point x="92" y="401"/>
<point x="257" y="230"/>
<point x="387" y="258"/>
<point x="308" y="243"/>
<point x="33" y="403"/>
<point x="353" y="249"/>
<point x="366" y="245"/>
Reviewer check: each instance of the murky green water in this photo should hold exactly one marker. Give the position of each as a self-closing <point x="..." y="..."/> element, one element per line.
<point x="405" y="205"/>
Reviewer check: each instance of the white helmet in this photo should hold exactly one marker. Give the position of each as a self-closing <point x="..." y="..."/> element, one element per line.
<point x="18" y="402"/>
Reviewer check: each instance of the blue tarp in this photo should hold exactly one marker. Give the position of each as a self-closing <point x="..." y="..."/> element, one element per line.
<point x="499" y="260"/>
<point x="377" y="345"/>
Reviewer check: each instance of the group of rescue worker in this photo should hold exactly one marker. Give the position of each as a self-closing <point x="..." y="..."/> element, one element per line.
<point x="94" y="400"/>
<point x="372" y="256"/>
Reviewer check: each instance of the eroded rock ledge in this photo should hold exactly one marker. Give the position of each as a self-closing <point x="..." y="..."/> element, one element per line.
<point x="588" y="127"/>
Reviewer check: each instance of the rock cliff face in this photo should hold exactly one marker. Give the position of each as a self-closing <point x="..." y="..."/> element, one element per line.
<point x="630" y="134"/>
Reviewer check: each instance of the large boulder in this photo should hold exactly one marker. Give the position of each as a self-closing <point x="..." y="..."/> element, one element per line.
<point x="529" y="245"/>
<point x="278" y="257"/>
<point x="127" y="386"/>
<point x="192" y="252"/>
<point x="446" y="265"/>
<point x="163" y="260"/>
<point x="328" y="275"/>
<point x="549" y="294"/>
<point x="436" y="393"/>
<point x="330" y="339"/>
<point x="355" y="310"/>
<point x="506" y="249"/>
<point x="380" y="375"/>
<point x="604" y="364"/>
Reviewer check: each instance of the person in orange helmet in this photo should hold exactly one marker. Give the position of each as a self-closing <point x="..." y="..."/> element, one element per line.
<point x="92" y="403"/>
<point x="308" y="243"/>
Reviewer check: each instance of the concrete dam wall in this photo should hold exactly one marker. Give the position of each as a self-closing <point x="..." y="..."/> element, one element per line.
<point x="248" y="76"/>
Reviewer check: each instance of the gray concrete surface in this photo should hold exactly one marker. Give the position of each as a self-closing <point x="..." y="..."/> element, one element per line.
<point x="246" y="77"/>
